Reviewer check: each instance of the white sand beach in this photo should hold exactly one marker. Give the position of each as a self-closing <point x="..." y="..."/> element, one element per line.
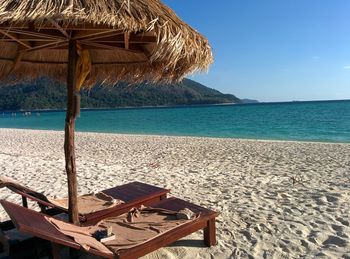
<point x="277" y="199"/>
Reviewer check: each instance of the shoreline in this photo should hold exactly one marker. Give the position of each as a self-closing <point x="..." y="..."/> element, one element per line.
<point x="187" y="136"/>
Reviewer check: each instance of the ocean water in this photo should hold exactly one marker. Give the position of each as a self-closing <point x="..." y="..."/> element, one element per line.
<point x="309" y="121"/>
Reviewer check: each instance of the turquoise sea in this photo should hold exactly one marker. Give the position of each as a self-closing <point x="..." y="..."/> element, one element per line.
<point x="310" y="121"/>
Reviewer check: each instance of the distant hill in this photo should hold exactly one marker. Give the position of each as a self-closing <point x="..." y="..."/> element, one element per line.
<point x="249" y="101"/>
<point x="45" y="94"/>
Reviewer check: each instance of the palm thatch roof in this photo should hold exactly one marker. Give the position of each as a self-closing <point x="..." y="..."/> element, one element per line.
<point x="128" y="40"/>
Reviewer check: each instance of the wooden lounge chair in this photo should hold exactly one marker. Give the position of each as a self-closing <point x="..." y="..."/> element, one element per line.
<point x="34" y="223"/>
<point x="133" y="194"/>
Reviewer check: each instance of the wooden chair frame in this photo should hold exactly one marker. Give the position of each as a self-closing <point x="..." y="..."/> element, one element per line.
<point x="34" y="223"/>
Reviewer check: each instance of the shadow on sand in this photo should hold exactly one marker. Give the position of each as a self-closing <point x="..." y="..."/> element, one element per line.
<point x="188" y="243"/>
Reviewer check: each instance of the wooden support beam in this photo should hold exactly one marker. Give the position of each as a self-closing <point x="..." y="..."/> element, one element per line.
<point x="120" y="62"/>
<point x="50" y="34"/>
<point x="69" y="146"/>
<point x="120" y="39"/>
<point x="99" y="35"/>
<point x="96" y="35"/>
<point x="24" y="39"/>
<point x="110" y="46"/>
<point x="35" y="61"/>
<point x="7" y="34"/>
<point x="58" y="27"/>
<point x="51" y="45"/>
<point x="118" y="36"/>
<point x="16" y="61"/>
<point x="146" y="52"/>
<point x="126" y="39"/>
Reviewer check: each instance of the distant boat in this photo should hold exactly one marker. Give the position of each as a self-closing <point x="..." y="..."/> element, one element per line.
<point x="26" y="114"/>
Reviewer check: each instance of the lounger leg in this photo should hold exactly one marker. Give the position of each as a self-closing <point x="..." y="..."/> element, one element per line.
<point x="24" y="202"/>
<point x="55" y="251"/>
<point x="210" y="233"/>
<point x="42" y="208"/>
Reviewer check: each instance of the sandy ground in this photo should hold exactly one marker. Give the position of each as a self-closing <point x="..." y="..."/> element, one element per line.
<point x="276" y="199"/>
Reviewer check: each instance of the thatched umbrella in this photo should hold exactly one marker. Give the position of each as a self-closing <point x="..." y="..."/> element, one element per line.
<point x="95" y="41"/>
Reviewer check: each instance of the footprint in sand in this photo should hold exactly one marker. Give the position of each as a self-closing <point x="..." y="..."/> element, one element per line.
<point x="337" y="227"/>
<point x="343" y="221"/>
<point x="332" y="198"/>
<point x="246" y="234"/>
<point x="334" y="240"/>
<point x="317" y="237"/>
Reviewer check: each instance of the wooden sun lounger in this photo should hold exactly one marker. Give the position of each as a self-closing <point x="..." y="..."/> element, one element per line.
<point x="34" y="223"/>
<point x="133" y="194"/>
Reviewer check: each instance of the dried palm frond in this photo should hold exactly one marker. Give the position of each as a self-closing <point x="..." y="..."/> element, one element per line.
<point x="177" y="49"/>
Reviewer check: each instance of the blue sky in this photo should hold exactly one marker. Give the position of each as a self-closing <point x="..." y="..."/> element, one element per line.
<point x="274" y="50"/>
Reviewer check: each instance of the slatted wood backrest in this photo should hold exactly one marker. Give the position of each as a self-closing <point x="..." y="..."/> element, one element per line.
<point x="26" y="192"/>
<point x="34" y="223"/>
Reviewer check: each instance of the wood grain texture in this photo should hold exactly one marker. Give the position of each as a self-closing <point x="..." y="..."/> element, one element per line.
<point x="34" y="223"/>
<point x="69" y="146"/>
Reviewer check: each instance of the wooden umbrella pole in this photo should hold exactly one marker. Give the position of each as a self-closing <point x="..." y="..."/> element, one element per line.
<point x="69" y="147"/>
